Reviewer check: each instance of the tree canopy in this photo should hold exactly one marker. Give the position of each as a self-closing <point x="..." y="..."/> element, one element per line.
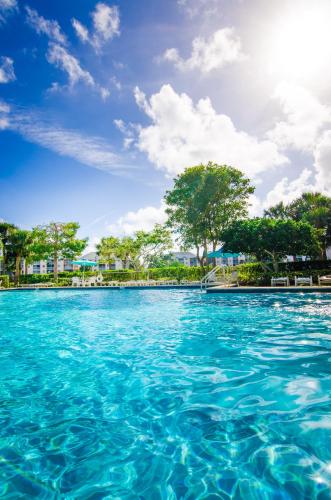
<point x="271" y="239"/>
<point x="19" y="247"/>
<point x="57" y="240"/>
<point x="314" y="208"/>
<point x="203" y="202"/>
<point x="138" y="250"/>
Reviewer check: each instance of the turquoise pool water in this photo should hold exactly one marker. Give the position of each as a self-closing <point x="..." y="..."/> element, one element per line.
<point x="164" y="394"/>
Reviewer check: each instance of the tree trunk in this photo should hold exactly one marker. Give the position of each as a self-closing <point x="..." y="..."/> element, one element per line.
<point x="275" y="264"/>
<point x="200" y="260"/>
<point x="205" y="253"/>
<point x="17" y="269"/>
<point x="56" y="262"/>
<point x="214" y="250"/>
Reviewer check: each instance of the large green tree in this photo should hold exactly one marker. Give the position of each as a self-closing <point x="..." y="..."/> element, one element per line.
<point x="153" y="244"/>
<point x="19" y="248"/>
<point x="125" y="249"/>
<point x="203" y="202"/>
<point x="57" y="240"/>
<point x="271" y="240"/>
<point x="6" y="229"/>
<point x="107" y="249"/>
<point x="314" y="208"/>
<point x="138" y="250"/>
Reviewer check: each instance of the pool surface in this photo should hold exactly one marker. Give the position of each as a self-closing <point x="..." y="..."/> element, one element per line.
<point x="165" y="394"/>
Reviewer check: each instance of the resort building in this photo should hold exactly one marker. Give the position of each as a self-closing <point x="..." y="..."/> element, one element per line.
<point x="45" y="267"/>
<point x="223" y="259"/>
<point x="185" y="258"/>
<point x="93" y="256"/>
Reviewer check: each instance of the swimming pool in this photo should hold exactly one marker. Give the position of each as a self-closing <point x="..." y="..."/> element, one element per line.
<point x="164" y="394"/>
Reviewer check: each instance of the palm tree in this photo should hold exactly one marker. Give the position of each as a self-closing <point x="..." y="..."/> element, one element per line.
<point x="6" y="229"/>
<point x="19" y="247"/>
<point x="315" y="208"/>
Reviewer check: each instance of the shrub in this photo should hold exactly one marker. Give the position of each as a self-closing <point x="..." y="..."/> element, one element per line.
<point x="248" y="274"/>
<point x="254" y="274"/>
<point x="4" y="280"/>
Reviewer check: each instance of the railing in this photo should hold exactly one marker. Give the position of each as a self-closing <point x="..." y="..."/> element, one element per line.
<point x="209" y="277"/>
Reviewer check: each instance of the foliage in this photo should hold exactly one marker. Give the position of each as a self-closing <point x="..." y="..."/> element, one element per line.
<point x="171" y="272"/>
<point x="4" y="278"/>
<point x="153" y="244"/>
<point x="57" y="240"/>
<point x="107" y="249"/>
<point x="248" y="274"/>
<point x="271" y="239"/>
<point x="167" y="260"/>
<point x="136" y="251"/>
<point x="6" y="230"/>
<point x="19" y="247"/>
<point x="314" y="208"/>
<point x="204" y="201"/>
<point x="254" y="274"/>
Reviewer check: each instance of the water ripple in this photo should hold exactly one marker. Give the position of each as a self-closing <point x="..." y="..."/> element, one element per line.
<point x="165" y="394"/>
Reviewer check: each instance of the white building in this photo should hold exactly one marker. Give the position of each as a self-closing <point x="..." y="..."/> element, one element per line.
<point x="47" y="266"/>
<point x="93" y="256"/>
<point x="185" y="258"/>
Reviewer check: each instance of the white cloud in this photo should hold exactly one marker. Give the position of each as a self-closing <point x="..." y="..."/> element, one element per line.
<point x="205" y="8"/>
<point x="255" y="206"/>
<point x="322" y="156"/>
<point x="305" y="117"/>
<point x="61" y="58"/>
<point x="7" y="7"/>
<point x="106" y="21"/>
<point x="50" y="28"/>
<point x="81" y="30"/>
<point x="183" y="134"/>
<point x="143" y="219"/>
<point x="106" y="25"/>
<point x="287" y="191"/>
<point x="7" y="73"/>
<point x="222" y="48"/>
<point x="4" y="111"/>
<point x="128" y="130"/>
<point x="89" y="150"/>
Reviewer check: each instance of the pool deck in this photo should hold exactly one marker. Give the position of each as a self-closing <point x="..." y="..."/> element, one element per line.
<point x="212" y="289"/>
<point x="269" y="289"/>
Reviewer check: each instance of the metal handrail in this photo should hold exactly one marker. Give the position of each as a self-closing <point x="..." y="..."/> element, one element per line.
<point x="206" y="278"/>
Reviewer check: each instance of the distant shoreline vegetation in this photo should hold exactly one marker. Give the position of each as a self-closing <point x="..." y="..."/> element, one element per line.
<point x="207" y="207"/>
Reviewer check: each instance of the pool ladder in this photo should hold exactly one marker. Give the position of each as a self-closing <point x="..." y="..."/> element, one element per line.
<point x="209" y="278"/>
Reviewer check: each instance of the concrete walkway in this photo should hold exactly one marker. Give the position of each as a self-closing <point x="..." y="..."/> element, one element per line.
<point x="269" y="289"/>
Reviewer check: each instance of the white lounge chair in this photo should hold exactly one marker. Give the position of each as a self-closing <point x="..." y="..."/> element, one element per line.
<point x="303" y="280"/>
<point x="99" y="279"/>
<point x="92" y="281"/>
<point x="75" y="281"/>
<point x="283" y="281"/>
<point x="324" y="280"/>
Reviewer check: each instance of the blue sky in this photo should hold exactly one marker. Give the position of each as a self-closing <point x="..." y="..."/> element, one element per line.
<point x="102" y="104"/>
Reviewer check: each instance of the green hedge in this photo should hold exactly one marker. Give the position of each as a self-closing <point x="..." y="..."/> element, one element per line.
<point x="248" y="274"/>
<point x="174" y="272"/>
<point x="254" y="274"/>
<point x="4" y="281"/>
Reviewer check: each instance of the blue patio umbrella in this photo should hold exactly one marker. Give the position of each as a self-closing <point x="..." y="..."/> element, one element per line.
<point x="84" y="263"/>
<point x="219" y="254"/>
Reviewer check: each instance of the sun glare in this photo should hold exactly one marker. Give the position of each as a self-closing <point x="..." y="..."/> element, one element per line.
<point x="301" y="42"/>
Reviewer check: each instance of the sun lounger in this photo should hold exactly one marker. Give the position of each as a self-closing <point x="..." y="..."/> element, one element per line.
<point x="301" y="280"/>
<point x="283" y="281"/>
<point x="324" y="280"/>
<point x="76" y="281"/>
